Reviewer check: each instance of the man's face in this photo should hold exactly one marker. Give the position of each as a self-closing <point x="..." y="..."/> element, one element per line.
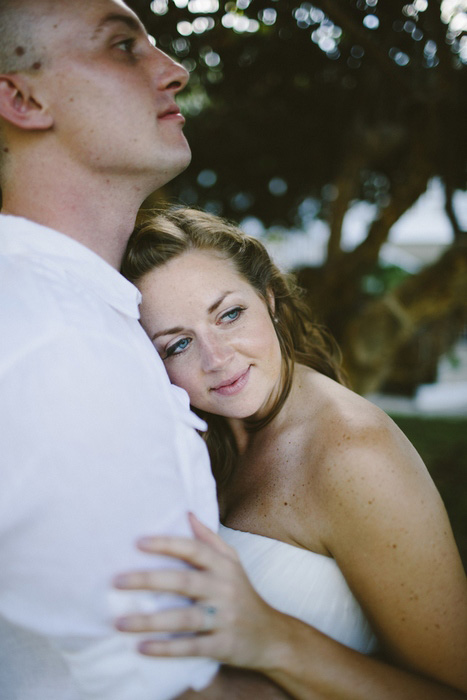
<point x="111" y="93"/>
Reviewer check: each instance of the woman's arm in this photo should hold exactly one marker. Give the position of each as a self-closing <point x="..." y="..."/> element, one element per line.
<point x="388" y="530"/>
<point x="238" y="684"/>
<point x="246" y="632"/>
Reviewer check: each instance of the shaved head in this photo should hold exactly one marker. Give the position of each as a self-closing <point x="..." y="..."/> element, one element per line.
<point x="20" y="50"/>
<point x="20" y="31"/>
<point x="19" y="24"/>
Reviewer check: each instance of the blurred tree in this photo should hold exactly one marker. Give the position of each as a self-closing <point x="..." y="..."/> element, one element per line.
<point x="299" y="110"/>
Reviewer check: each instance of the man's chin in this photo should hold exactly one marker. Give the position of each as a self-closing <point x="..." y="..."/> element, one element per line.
<point x="178" y="163"/>
<point x="186" y="159"/>
<point x="162" y="176"/>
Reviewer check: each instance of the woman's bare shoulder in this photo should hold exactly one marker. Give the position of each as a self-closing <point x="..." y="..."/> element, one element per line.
<point x="343" y="423"/>
<point x="359" y="453"/>
<point x="384" y="522"/>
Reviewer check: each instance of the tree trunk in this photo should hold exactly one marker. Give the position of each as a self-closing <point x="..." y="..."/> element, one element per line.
<point x="373" y="339"/>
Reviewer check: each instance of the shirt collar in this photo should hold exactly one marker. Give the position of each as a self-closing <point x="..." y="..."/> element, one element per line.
<point x="67" y="257"/>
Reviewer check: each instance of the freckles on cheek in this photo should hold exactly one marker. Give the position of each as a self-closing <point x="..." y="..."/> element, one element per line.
<point x="269" y="348"/>
<point x="186" y="380"/>
<point x="176" y="377"/>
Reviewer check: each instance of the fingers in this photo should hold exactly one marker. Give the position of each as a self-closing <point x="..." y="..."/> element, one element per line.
<point x="200" y="645"/>
<point x="191" y="551"/>
<point x="179" y="621"/>
<point x="205" y="534"/>
<point x="226" y="608"/>
<point x="198" y="553"/>
<point x="186" y="582"/>
<point x="186" y="619"/>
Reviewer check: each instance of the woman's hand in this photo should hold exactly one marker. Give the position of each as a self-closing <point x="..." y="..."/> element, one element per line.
<point x="229" y="621"/>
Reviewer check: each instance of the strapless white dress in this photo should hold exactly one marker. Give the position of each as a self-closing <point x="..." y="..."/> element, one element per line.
<point x="303" y="584"/>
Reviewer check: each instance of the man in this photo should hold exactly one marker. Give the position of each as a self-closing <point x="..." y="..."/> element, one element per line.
<point x="97" y="449"/>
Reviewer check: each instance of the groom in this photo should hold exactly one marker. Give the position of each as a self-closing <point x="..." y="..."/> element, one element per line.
<point x="97" y="448"/>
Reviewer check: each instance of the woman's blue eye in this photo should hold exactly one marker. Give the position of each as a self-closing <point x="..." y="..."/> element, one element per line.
<point x="178" y="347"/>
<point x="233" y="314"/>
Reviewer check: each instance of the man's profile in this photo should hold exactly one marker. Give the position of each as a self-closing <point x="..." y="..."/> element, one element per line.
<point x="97" y="447"/>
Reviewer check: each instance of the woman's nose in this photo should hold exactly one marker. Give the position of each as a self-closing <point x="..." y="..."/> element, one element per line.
<point x="217" y="354"/>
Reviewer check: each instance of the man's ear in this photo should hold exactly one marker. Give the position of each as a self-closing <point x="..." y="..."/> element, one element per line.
<point x="19" y="106"/>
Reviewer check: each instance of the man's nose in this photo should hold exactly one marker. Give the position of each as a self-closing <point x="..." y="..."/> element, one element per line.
<point x="171" y="75"/>
<point x="216" y="353"/>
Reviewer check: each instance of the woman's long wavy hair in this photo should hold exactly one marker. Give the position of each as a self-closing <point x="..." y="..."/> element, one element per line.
<point x="171" y="233"/>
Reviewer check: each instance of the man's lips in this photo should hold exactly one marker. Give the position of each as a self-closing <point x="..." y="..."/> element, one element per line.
<point x="172" y="112"/>
<point x="234" y="384"/>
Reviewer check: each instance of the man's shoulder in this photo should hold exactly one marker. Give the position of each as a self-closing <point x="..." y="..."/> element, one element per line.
<point x="46" y="313"/>
<point x="36" y="303"/>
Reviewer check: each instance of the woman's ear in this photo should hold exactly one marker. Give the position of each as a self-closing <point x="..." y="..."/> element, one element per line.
<point x="19" y="107"/>
<point x="271" y="299"/>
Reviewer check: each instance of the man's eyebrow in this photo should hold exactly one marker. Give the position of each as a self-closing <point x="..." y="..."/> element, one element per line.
<point x="115" y="17"/>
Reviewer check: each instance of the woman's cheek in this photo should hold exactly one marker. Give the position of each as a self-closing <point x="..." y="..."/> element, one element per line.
<point x="183" y="377"/>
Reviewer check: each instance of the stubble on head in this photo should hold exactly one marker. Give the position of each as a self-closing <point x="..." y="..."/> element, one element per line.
<point x="21" y="50"/>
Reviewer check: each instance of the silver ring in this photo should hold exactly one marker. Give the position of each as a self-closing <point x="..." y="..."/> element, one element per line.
<point x="209" y="616"/>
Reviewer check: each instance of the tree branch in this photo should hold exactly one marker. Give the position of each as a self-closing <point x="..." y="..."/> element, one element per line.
<point x="373" y="339"/>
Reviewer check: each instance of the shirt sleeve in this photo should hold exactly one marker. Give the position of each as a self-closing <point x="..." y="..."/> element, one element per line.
<point x="91" y="463"/>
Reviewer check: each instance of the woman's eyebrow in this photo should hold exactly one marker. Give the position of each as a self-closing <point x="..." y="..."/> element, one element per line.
<point x="179" y="329"/>
<point x="167" y="331"/>
<point x="219" y="301"/>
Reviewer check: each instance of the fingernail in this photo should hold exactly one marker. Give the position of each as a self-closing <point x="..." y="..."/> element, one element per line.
<point x="121" y="581"/>
<point x="122" y="624"/>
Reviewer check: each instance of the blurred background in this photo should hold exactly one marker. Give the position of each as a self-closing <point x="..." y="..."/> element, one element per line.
<point x="336" y="133"/>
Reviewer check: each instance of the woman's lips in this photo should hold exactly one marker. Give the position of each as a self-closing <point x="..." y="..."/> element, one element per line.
<point x="233" y="385"/>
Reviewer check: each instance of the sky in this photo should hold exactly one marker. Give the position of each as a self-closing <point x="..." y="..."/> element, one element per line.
<point x="425" y="222"/>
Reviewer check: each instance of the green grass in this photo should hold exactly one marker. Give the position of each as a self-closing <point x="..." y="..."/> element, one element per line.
<point x="442" y="444"/>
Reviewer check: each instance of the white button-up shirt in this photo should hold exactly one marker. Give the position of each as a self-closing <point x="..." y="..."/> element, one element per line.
<point x="97" y="449"/>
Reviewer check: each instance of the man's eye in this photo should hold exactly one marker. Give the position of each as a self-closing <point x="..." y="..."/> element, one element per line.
<point x="127" y="45"/>
<point x="178" y="347"/>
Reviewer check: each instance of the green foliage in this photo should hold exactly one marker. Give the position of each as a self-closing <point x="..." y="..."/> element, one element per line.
<point x="383" y="279"/>
<point x="281" y="91"/>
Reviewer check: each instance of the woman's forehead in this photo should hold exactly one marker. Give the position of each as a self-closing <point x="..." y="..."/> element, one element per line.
<point x="194" y="274"/>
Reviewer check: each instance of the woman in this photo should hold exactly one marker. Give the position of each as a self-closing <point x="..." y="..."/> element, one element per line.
<point x="330" y="508"/>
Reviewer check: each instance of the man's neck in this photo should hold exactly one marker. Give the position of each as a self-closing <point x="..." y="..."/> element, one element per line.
<point x="100" y="216"/>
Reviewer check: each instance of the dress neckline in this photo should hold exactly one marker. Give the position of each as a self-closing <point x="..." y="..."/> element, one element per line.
<point x="280" y="542"/>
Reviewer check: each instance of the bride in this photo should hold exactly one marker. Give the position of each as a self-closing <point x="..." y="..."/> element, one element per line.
<point x="355" y="587"/>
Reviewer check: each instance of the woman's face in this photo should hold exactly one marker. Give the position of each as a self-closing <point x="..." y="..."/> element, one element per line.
<point x="214" y="334"/>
